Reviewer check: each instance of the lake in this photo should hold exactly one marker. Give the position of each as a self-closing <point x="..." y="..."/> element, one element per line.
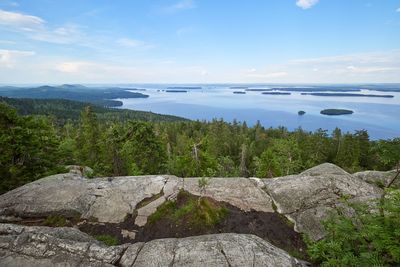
<point x="379" y="116"/>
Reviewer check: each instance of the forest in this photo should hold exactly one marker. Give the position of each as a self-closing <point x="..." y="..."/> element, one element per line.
<point x="33" y="146"/>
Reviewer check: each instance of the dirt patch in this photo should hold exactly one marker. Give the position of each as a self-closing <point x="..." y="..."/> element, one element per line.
<point x="272" y="227"/>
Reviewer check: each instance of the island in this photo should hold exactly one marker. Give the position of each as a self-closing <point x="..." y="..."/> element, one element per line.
<point x="301" y="112"/>
<point x="102" y="96"/>
<point x="176" y="91"/>
<point x="335" y="112"/>
<point x="185" y="87"/>
<point x="349" y="95"/>
<point x="276" y="93"/>
<point x="239" y="92"/>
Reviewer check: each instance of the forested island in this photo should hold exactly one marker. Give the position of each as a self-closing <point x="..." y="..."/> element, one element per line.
<point x="276" y="93"/>
<point x="103" y="96"/>
<point x="348" y="95"/>
<point x="185" y="87"/>
<point x="176" y="91"/>
<point x="335" y="112"/>
<point x="239" y="92"/>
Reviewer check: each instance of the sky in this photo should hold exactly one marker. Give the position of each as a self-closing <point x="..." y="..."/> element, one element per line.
<point x="199" y="41"/>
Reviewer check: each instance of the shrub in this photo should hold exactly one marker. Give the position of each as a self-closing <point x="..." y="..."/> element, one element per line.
<point x="369" y="238"/>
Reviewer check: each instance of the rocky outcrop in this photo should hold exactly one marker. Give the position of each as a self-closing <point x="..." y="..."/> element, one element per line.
<point x="111" y="200"/>
<point x="305" y="199"/>
<point x="42" y="246"/>
<point x="378" y="178"/>
<point x="308" y="198"/>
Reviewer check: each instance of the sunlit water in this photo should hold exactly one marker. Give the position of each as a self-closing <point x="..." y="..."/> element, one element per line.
<point x="380" y="116"/>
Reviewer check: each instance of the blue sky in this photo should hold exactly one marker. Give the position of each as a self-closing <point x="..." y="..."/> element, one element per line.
<point x="199" y="41"/>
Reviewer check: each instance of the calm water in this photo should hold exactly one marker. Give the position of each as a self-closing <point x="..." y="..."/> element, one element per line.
<point x="380" y="116"/>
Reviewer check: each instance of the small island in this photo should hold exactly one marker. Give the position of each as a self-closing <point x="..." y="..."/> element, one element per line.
<point x="335" y="112"/>
<point x="276" y="93"/>
<point x="185" y="87"/>
<point x="301" y="112"/>
<point x="347" y="95"/>
<point x="176" y="91"/>
<point x="239" y="92"/>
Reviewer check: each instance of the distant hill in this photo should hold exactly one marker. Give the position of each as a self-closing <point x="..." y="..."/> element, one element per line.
<point x="65" y="110"/>
<point x="102" y="96"/>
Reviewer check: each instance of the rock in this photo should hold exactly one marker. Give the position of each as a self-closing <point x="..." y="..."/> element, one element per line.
<point x="43" y="246"/>
<point x="208" y="250"/>
<point x="378" y="178"/>
<point x="240" y="192"/>
<point x="71" y="195"/>
<point x="306" y="199"/>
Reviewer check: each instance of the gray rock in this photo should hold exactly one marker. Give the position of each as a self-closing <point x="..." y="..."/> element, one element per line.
<point x="240" y="192"/>
<point x="378" y="177"/>
<point x="43" y="246"/>
<point x="307" y="199"/>
<point x="72" y="195"/>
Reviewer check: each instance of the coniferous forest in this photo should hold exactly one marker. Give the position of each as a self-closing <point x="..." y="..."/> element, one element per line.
<point x="119" y="142"/>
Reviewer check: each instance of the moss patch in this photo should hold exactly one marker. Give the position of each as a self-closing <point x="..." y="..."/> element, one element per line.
<point x="55" y="221"/>
<point x="109" y="240"/>
<point x="190" y="210"/>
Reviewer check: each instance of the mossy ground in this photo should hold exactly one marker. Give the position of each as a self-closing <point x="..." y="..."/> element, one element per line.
<point x="191" y="210"/>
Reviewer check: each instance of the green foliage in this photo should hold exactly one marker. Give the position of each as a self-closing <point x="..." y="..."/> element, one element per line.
<point x="191" y="210"/>
<point x="369" y="238"/>
<point x="55" y="221"/>
<point x="109" y="240"/>
<point x="28" y="148"/>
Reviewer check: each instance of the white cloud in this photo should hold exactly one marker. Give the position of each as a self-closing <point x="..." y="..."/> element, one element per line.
<point x="179" y="6"/>
<point x="398" y="10"/>
<point x="8" y="58"/>
<point x="20" y="21"/>
<point x="305" y="4"/>
<point x="73" y="66"/>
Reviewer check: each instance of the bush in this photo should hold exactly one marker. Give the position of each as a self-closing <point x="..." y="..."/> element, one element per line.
<point x="192" y="210"/>
<point x="109" y="240"/>
<point x="366" y="239"/>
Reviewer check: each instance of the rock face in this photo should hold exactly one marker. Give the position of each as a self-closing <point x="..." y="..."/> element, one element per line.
<point x="43" y="246"/>
<point x="377" y="177"/>
<point x="306" y="199"/>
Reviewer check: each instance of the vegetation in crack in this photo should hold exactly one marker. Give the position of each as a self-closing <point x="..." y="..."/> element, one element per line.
<point x="109" y="240"/>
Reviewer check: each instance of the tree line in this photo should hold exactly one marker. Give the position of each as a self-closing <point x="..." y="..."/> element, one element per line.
<point x="34" y="146"/>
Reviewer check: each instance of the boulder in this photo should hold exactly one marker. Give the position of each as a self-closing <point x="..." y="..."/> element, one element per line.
<point x="308" y="198"/>
<point x="378" y="178"/>
<point x="43" y="246"/>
